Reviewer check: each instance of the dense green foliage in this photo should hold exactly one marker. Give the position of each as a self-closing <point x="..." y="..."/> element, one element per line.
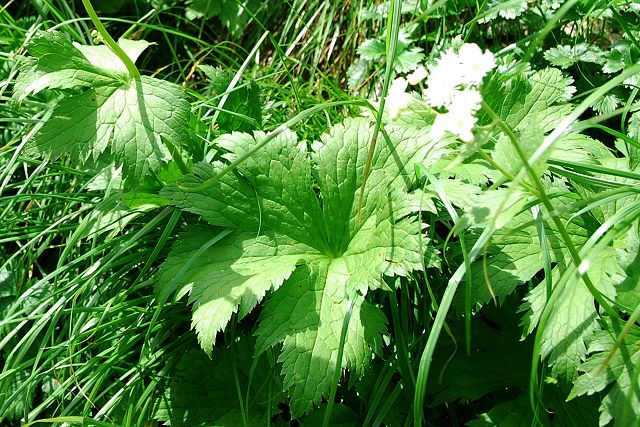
<point x="267" y="213"/>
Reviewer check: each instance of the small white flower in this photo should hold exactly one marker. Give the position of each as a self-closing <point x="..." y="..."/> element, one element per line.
<point x="460" y="125"/>
<point x="439" y="94"/>
<point x="465" y="102"/>
<point x="397" y="99"/>
<point x="448" y="69"/>
<point x="444" y="79"/>
<point x="474" y="63"/>
<point x="449" y="60"/>
<point x="438" y="128"/>
<point x="417" y="76"/>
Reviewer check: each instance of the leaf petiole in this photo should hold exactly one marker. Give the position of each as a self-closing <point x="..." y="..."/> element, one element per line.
<point x="108" y="40"/>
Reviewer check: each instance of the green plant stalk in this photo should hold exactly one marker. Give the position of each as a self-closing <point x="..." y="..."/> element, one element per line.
<point x="626" y="109"/>
<point x="108" y="40"/>
<point x="584" y="177"/>
<point x="465" y="254"/>
<point x="591" y="246"/>
<point x="393" y="29"/>
<point x="382" y="382"/>
<point x="493" y="163"/>
<point x="576" y="113"/>
<point x="338" y="370"/>
<point x="544" y="248"/>
<point x="236" y="381"/>
<point x="434" y="334"/>
<point x="587" y="124"/>
<point x="542" y="195"/>
<point x="597" y="169"/>
<point x="445" y="304"/>
<point x="388" y="403"/>
<point x="135" y="25"/>
<point x="404" y="365"/>
<point x="575" y="256"/>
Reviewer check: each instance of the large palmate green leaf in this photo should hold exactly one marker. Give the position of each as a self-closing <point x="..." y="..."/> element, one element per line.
<point x="306" y="315"/>
<point x="134" y="122"/>
<point x="243" y="268"/>
<point x="299" y="234"/>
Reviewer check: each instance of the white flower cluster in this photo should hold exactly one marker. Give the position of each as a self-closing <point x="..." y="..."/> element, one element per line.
<point x="453" y="84"/>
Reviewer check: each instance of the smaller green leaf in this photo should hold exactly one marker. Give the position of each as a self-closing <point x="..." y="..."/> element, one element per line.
<point x="532" y="99"/>
<point x="137" y="123"/>
<point x="507" y="9"/>
<point x="372" y="49"/>
<point x="408" y="59"/>
<point x="565" y="56"/>
<point x="242" y="110"/>
<point x="605" y="366"/>
<point x="55" y="63"/>
<point x="103" y="57"/>
<point x="620" y="56"/>
<point x="606" y="104"/>
<point x="132" y="121"/>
